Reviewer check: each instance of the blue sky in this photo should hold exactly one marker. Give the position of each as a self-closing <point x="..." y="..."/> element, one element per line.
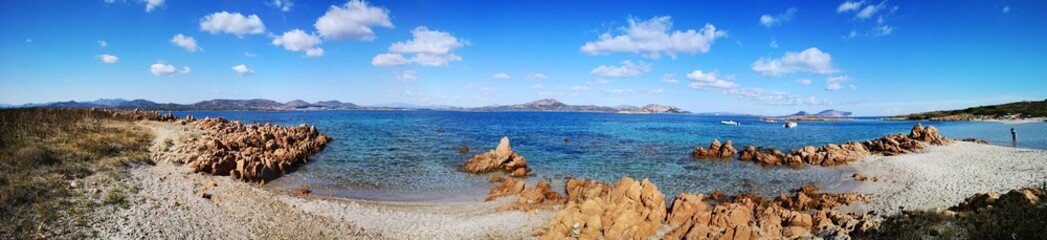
<point x="764" y="57"/>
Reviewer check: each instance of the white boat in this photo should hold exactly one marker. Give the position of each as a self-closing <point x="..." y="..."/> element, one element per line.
<point x="729" y="122"/>
<point x="790" y="124"/>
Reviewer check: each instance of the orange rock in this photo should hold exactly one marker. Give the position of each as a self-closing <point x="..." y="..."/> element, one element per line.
<point x="500" y="158"/>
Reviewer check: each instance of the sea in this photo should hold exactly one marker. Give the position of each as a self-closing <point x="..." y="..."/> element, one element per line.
<point x="414" y="156"/>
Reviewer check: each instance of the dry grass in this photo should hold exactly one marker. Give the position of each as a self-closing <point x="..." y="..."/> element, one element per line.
<point x="44" y="152"/>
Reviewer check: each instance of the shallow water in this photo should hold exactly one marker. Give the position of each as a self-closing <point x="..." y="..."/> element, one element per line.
<point x="412" y="155"/>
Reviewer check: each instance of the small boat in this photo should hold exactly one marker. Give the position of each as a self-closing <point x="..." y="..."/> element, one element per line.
<point x="729" y="122"/>
<point x="790" y="124"/>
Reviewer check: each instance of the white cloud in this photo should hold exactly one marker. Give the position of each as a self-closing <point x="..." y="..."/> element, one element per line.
<point x="849" y="6"/>
<point x="353" y="20"/>
<point x="669" y="78"/>
<point x="706" y="80"/>
<point x="314" y="52"/>
<point x="1006" y="9"/>
<point x="250" y="54"/>
<point x="232" y="23"/>
<point x="242" y="70"/>
<point x="500" y="76"/>
<point x="579" y="88"/>
<point x="161" y="69"/>
<point x="804" y="81"/>
<point x="617" y="91"/>
<point x="430" y="48"/>
<point x="408" y="76"/>
<point x="882" y="30"/>
<point x="153" y="4"/>
<point x="862" y="11"/>
<point x="769" y="21"/>
<point x="627" y="69"/>
<point x="774" y="44"/>
<point x="651" y="38"/>
<point x="389" y="60"/>
<point x="870" y="10"/>
<point x="655" y="91"/>
<point x="102" y="43"/>
<point x="835" y="82"/>
<point x="189" y="43"/>
<point x="106" y="58"/>
<point x="283" y="5"/>
<point x="810" y="60"/>
<point x="536" y="86"/>
<point x="297" y="40"/>
<point x="537" y="76"/>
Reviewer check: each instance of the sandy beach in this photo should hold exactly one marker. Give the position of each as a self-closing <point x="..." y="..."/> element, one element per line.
<point x="942" y="176"/>
<point x="169" y="203"/>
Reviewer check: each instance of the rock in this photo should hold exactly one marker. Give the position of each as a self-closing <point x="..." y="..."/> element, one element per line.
<point x="500" y="158"/>
<point x="303" y="191"/>
<point x="726" y="151"/>
<point x="630" y="210"/>
<point x="254" y="153"/>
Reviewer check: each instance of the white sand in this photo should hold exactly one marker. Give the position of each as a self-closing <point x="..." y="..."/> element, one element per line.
<point x="936" y="178"/>
<point x="243" y="211"/>
<point x="943" y="176"/>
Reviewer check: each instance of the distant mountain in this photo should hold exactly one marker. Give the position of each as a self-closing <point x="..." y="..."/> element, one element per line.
<point x="233" y="104"/>
<point x="827" y="115"/>
<point x="1023" y="109"/>
<point x="833" y="113"/>
<point x="215" y="104"/>
<point x="552" y="105"/>
<point x="654" y="108"/>
<point x="297" y="104"/>
<point x="108" y="102"/>
<point x="336" y="104"/>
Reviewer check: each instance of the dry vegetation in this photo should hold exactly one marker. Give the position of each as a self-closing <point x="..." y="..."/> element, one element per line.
<point x="56" y="165"/>
<point x="1003" y="219"/>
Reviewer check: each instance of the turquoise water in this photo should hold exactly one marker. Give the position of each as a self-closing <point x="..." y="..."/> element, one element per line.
<point x="412" y="155"/>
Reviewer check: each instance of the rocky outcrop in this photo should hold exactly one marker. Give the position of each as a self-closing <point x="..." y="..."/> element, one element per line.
<point x="726" y="151"/>
<point x="833" y="155"/>
<point x="750" y="217"/>
<point x="1021" y="197"/>
<point x="249" y="152"/>
<point x="629" y="210"/>
<point x="541" y="196"/>
<point x="501" y="158"/>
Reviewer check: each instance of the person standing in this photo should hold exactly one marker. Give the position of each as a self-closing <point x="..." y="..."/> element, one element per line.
<point x="1014" y="138"/>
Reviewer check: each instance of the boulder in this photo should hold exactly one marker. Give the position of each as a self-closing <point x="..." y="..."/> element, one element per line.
<point x="629" y="210"/>
<point x="715" y="150"/>
<point x="501" y="158"/>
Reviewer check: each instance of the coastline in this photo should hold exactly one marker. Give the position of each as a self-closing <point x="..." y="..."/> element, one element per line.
<point x="942" y="176"/>
<point x="168" y="201"/>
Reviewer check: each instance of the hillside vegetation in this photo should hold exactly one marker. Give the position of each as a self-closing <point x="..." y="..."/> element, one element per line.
<point x="1025" y="108"/>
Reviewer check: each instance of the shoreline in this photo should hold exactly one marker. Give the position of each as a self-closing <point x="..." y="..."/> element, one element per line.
<point x="169" y="203"/>
<point x="943" y="176"/>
